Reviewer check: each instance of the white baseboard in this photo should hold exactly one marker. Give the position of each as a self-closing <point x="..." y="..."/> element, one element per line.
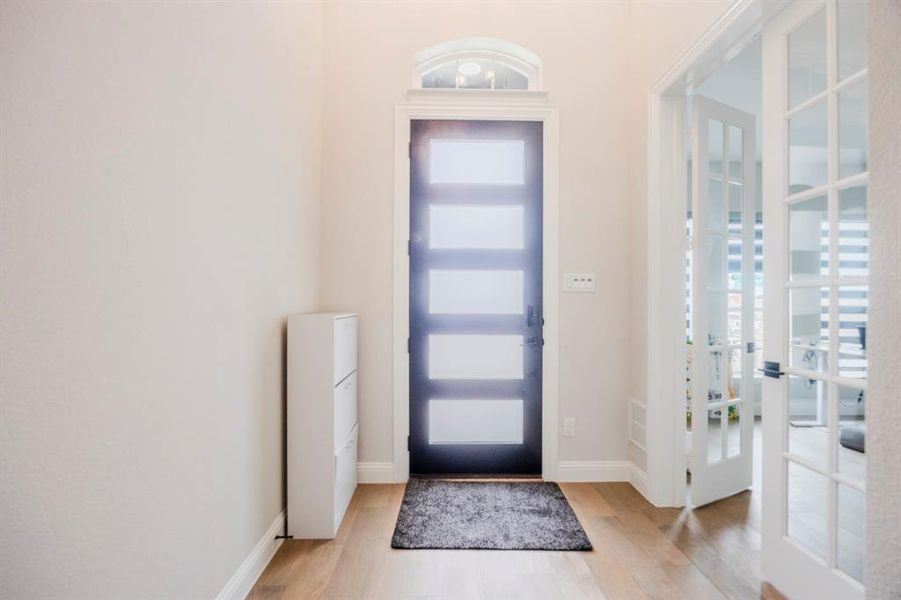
<point x="253" y="566"/>
<point x="593" y="470"/>
<point x="639" y="480"/>
<point x="375" y="472"/>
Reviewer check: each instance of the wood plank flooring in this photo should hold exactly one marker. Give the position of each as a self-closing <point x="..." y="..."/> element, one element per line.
<point x="639" y="552"/>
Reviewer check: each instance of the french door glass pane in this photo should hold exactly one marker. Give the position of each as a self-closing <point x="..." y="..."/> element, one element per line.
<point x="715" y="204"/>
<point x="495" y="421"/>
<point x="735" y="201"/>
<point x="716" y="377"/>
<point x="475" y="357"/>
<point x="808" y="236"/>
<point x="735" y="148"/>
<point x="733" y="318"/>
<point x="733" y="430"/>
<point x="852" y="459"/>
<point x="714" y="436"/>
<point x="716" y="318"/>
<point x="807" y="498"/>
<point x="807" y="60"/>
<point x="716" y="262"/>
<point x="715" y="146"/>
<point x="477" y="161"/>
<point x="733" y="380"/>
<point x="807" y="166"/>
<point x="459" y="227"/>
<point x="852" y="130"/>
<point x="853" y="232"/>
<point x="853" y="307"/>
<point x="809" y="328"/>
<point x="851" y="531"/>
<point x="852" y="37"/>
<point x="475" y="292"/>
<point x="808" y="435"/>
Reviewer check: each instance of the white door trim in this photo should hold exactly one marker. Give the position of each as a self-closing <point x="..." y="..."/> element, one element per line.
<point x="476" y="105"/>
<point x="666" y="246"/>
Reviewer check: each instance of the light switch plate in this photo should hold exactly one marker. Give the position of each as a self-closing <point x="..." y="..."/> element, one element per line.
<point x="578" y="282"/>
<point x="569" y="427"/>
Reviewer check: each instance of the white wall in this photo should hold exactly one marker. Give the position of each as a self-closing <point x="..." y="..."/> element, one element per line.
<point x="369" y="60"/>
<point x="660" y="31"/>
<point x="883" y="396"/>
<point x="160" y="212"/>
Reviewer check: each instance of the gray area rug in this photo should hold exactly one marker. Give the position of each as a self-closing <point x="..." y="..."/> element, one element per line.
<point x="487" y="515"/>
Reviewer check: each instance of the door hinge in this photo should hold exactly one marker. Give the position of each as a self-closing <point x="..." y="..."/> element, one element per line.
<point x="409" y="149"/>
<point x="408" y="346"/>
<point x="408" y="443"/>
<point x="409" y="247"/>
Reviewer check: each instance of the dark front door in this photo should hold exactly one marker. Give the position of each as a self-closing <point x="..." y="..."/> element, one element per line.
<point x="475" y="297"/>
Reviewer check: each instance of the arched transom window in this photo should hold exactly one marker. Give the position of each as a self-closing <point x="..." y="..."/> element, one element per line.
<point x="478" y="63"/>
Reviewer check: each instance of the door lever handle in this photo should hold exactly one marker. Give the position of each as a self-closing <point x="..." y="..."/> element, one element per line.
<point x="533" y="316"/>
<point x="771" y="369"/>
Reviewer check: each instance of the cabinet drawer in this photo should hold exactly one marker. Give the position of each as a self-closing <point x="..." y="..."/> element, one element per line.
<point x="345" y="359"/>
<point x="345" y="409"/>
<point x="345" y="475"/>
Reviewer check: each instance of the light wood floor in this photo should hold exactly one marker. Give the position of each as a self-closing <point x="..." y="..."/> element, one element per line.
<point x="639" y="552"/>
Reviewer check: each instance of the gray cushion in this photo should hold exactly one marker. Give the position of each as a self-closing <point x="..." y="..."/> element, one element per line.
<point x="853" y="436"/>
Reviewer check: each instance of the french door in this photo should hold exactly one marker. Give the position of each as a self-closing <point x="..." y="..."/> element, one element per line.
<point x="475" y="297"/>
<point x="723" y="223"/>
<point x="816" y="273"/>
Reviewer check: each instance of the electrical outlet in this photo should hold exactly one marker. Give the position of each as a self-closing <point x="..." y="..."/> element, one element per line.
<point x="569" y="427"/>
<point x="578" y="282"/>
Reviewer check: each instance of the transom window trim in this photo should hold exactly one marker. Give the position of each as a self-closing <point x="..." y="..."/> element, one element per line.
<point x="501" y="65"/>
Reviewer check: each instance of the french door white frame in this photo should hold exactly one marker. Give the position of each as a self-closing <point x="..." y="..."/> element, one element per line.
<point x="485" y="106"/>
<point x="667" y="204"/>
<point x="793" y="569"/>
<point x="731" y="473"/>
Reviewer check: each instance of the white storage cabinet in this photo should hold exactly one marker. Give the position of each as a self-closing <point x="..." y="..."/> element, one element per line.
<point x="322" y="422"/>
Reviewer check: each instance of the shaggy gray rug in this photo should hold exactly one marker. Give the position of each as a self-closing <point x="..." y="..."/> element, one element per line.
<point x="487" y="515"/>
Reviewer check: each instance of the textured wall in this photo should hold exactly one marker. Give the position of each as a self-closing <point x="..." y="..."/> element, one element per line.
<point x="884" y="394"/>
<point x="159" y="219"/>
<point x="583" y="49"/>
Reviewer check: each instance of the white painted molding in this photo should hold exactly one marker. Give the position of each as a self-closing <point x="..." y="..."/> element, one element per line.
<point x="639" y="480"/>
<point x="254" y="564"/>
<point x="593" y="470"/>
<point x="375" y="472"/>
<point x="495" y="105"/>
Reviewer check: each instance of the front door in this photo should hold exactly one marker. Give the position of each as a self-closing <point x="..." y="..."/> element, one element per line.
<point x="475" y="297"/>
<point x="815" y="306"/>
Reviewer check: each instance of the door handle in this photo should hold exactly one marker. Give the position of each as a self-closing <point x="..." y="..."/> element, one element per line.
<point x="533" y="316"/>
<point x="771" y="369"/>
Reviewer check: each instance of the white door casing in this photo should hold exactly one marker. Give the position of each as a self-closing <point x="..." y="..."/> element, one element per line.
<point x="723" y="217"/>
<point x="473" y="105"/>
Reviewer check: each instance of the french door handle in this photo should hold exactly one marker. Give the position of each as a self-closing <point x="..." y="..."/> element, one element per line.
<point x="533" y="316"/>
<point x="771" y="369"/>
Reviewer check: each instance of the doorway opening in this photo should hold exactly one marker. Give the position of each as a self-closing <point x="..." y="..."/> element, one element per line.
<point x="776" y="286"/>
<point x="476" y="289"/>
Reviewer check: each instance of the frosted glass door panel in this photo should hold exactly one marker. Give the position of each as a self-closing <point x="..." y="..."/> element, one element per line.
<point x="459" y="292"/>
<point x="475" y="422"/>
<point x="475" y="357"/>
<point x="476" y="227"/>
<point x="499" y="162"/>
